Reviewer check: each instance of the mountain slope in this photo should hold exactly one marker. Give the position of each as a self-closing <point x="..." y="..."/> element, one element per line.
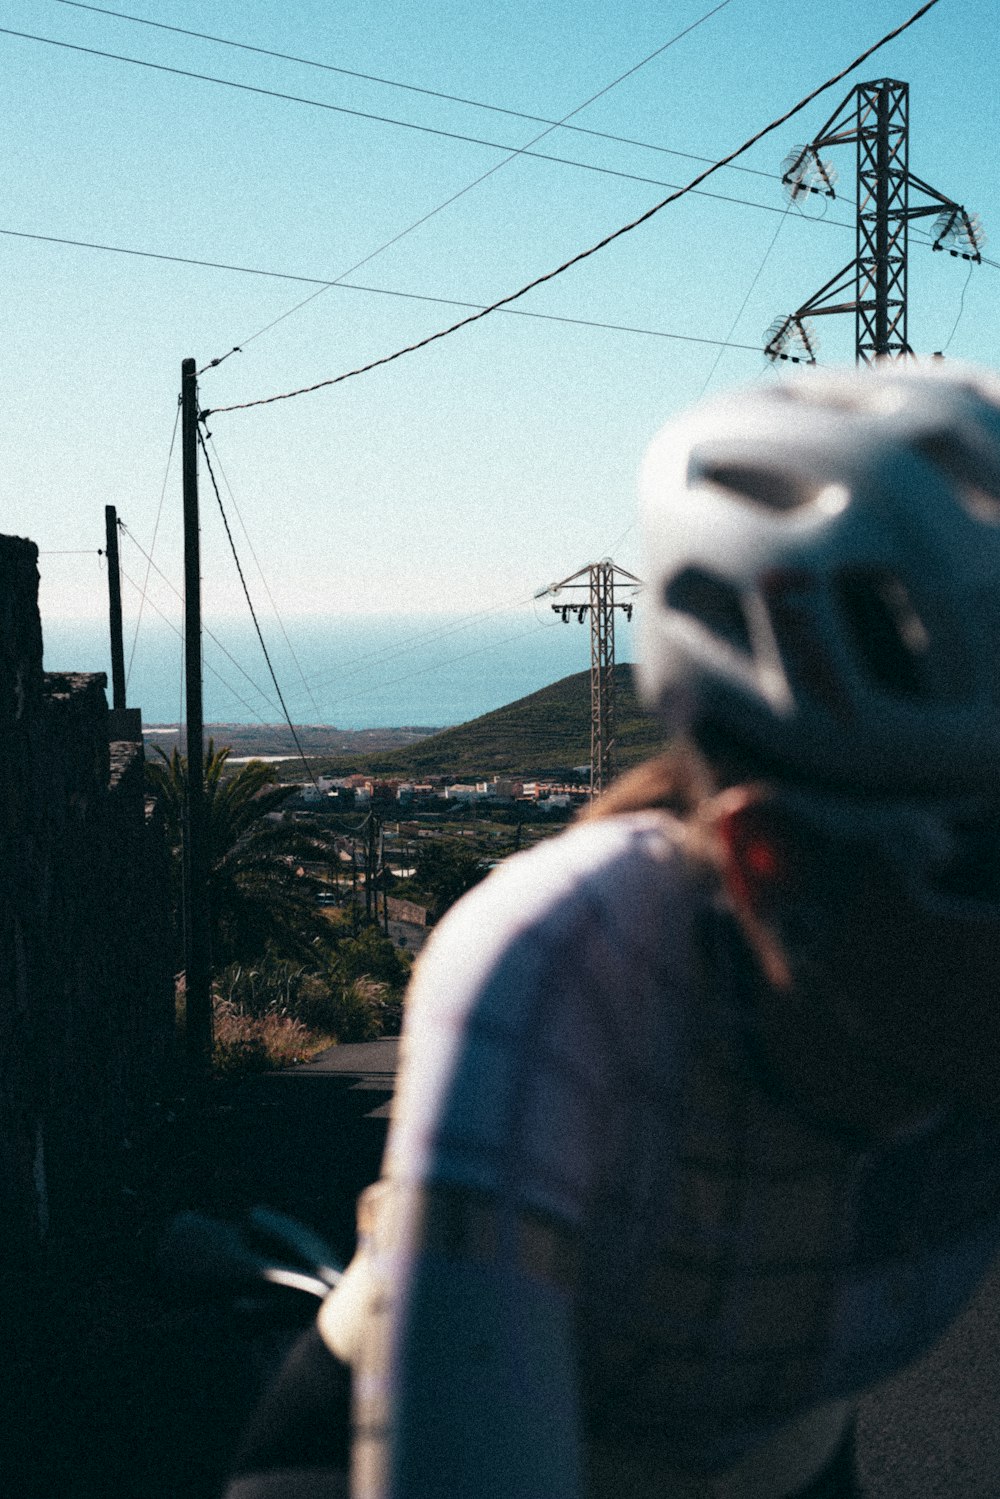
<point x="546" y="733"/>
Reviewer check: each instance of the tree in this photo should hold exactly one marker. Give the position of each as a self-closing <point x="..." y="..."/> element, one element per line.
<point x="446" y="871"/>
<point x="257" y="898"/>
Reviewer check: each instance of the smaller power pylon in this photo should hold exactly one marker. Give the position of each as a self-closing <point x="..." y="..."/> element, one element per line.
<point x="598" y="581"/>
<point x="875" y="118"/>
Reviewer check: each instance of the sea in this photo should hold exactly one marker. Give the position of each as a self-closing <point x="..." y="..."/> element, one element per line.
<point x="354" y="672"/>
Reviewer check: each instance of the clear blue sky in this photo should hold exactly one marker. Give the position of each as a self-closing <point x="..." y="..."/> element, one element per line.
<point x="467" y="475"/>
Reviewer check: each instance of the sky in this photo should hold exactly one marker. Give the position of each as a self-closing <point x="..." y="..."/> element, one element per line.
<point x="464" y="477"/>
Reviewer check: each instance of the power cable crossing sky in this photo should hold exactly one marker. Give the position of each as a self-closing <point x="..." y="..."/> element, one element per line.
<point x="458" y="481"/>
<point x="608" y="239"/>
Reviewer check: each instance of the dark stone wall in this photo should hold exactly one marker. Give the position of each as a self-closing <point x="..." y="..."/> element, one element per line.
<point x="86" y="992"/>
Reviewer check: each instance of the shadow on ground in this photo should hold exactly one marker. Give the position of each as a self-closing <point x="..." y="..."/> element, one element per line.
<point x="116" y="1387"/>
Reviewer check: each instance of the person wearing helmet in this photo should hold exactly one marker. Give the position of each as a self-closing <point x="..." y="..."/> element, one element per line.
<point x="697" y="1135"/>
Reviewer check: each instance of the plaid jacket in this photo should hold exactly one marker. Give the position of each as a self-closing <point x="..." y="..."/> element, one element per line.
<point x="582" y="1099"/>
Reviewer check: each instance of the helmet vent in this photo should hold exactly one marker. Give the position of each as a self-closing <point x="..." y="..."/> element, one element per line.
<point x="769" y="487"/>
<point x="977" y="488"/>
<point x="712" y="602"/>
<point x="889" y="638"/>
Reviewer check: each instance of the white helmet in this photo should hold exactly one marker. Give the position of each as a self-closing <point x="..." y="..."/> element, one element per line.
<point x="824" y="582"/>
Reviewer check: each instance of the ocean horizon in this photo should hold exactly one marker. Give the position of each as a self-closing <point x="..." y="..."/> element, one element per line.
<point x="356" y="672"/>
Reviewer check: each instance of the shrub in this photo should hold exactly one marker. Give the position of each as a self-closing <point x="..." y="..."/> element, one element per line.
<point x="355" y="1011"/>
<point x="256" y="1043"/>
<point x="270" y="987"/>
<point x="369" y="955"/>
<point x="345" y="1003"/>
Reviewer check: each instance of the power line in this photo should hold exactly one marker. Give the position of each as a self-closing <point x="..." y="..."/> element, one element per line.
<point x="208" y="667"/>
<point x="410" y="644"/>
<point x="384" y="291"/>
<point x="440" y="665"/>
<point x="749" y="292"/>
<point x="323" y="285"/>
<point x="413" y="88"/>
<point x="512" y="151"/>
<point x="152" y="545"/>
<point x="263" y="579"/>
<point x="498" y="166"/>
<point x="602" y="243"/>
<point x="342" y="109"/>
<point x="177" y="592"/>
<point x="961" y="308"/>
<point x="253" y="612"/>
<point x="411" y="296"/>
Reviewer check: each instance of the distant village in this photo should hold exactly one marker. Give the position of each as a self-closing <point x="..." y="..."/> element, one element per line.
<point x="437" y="795"/>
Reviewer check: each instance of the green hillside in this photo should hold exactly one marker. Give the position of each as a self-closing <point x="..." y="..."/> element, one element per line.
<point x="545" y="733"/>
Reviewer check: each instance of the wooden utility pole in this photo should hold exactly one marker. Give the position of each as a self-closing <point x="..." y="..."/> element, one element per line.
<point x="115" y="609"/>
<point x="197" y="944"/>
<point x="371" y="866"/>
<point x="123" y="723"/>
<point x="385" y="881"/>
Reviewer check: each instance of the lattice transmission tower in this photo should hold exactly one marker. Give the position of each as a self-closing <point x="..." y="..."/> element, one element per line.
<point x="598" y="581"/>
<point x="875" y="118"/>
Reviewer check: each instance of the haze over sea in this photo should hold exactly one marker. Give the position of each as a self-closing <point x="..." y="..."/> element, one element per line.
<point x="360" y="671"/>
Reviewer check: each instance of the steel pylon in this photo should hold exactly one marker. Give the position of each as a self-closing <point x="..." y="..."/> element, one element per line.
<point x="598" y="581"/>
<point x="875" y="119"/>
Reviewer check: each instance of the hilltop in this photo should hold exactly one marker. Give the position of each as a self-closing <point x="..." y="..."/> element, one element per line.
<point x="545" y="733"/>
<point x="272" y="741"/>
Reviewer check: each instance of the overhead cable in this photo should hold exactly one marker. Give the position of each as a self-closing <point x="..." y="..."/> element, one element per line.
<point x="383" y="291"/>
<point x="342" y="109"/>
<point x="358" y="665"/>
<point x="961" y="308"/>
<point x="440" y="665"/>
<point x="177" y="631"/>
<point x="253" y="612"/>
<point x="749" y="292"/>
<point x="512" y="155"/>
<point x="177" y="592"/>
<point x="152" y="545"/>
<point x="263" y="579"/>
<point x="602" y="243"/>
<point x="430" y="93"/>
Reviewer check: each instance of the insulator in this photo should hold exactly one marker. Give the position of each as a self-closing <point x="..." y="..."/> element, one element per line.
<point x="804" y="172"/>
<point x="959" y="231"/>
<point x="975" y="231"/>
<point x="791" y="339"/>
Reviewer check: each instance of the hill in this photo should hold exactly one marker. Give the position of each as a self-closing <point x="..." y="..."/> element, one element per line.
<point x="546" y="733"/>
<point x="272" y="741"/>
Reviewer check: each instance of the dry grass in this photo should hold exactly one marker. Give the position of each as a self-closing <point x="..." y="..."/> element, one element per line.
<point x="250" y="1043"/>
<point x="278" y="1015"/>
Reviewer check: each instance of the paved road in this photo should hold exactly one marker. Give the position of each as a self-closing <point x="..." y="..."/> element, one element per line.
<point x="934" y="1433"/>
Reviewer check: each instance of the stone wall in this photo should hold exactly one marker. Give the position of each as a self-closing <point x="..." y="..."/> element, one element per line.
<point x="86" y="993"/>
<point x="406" y="910"/>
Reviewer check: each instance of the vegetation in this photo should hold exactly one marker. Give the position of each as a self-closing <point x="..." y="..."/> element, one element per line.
<point x="259" y="1043"/>
<point x="277" y="1012"/>
<point x="258" y="900"/>
<point x="546" y="733"/>
<point x="443" y="872"/>
<point x="290" y="979"/>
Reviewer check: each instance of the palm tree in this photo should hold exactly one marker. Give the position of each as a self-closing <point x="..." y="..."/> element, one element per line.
<point x="257" y="896"/>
